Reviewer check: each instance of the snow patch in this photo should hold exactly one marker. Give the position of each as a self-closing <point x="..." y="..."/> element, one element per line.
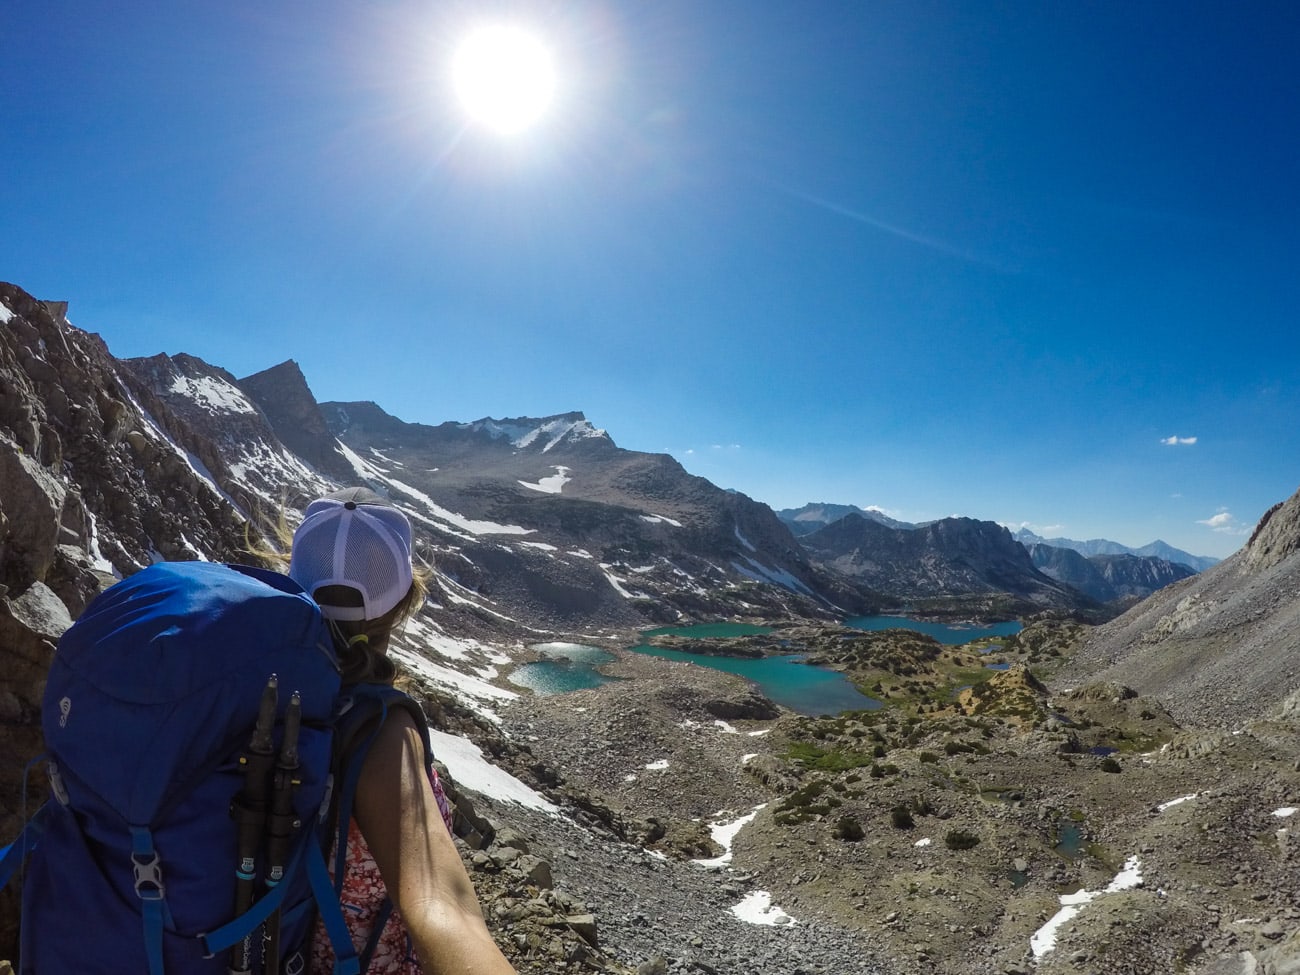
<point x="661" y="520"/>
<point x="777" y="577"/>
<point x="5" y="314"/>
<point x="617" y="583"/>
<point x="1044" y="939"/>
<point x="214" y="395"/>
<point x="724" y="834"/>
<point x="758" y="908"/>
<point x="1284" y="812"/>
<point x="540" y="546"/>
<point x="553" y="484"/>
<point x="1176" y="802"/>
<point x="472" y="771"/>
<point x="474" y="692"/>
<point x="925" y="842"/>
<point x="743" y="540"/>
<point x="97" y="559"/>
<point x="657" y="766"/>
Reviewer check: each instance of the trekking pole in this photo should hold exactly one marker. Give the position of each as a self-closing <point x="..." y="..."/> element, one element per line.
<point x="281" y="824"/>
<point x="248" y="809"/>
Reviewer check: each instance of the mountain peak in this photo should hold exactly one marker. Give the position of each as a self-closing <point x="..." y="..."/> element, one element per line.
<point x="290" y="407"/>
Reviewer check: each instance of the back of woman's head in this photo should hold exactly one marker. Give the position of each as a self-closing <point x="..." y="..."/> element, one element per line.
<point x="352" y="553"/>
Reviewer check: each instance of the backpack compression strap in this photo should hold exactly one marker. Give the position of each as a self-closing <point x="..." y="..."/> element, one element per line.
<point x="13" y="855"/>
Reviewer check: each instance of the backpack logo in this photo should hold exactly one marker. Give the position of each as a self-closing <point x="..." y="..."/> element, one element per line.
<point x="65" y="708"/>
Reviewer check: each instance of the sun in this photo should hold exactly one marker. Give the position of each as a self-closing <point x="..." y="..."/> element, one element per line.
<point x="504" y="78"/>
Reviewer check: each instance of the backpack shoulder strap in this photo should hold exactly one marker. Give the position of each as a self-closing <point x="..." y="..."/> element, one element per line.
<point x="363" y="710"/>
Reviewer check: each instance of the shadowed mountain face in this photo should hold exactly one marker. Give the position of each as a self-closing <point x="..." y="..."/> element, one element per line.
<point x="812" y="517"/>
<point x="1107" y="578"/>
<point x="1102" y="546"/>
<point x="953" y="555"/>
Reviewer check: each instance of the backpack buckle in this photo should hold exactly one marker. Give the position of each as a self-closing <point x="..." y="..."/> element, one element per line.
<point x="148" y="873"/>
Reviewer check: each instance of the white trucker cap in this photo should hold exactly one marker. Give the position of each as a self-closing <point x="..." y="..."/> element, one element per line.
<point x="357" y="540"/>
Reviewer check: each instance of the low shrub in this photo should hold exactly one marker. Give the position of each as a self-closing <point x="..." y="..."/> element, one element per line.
<point x="959" y="839"/>
<point x="849" y="829"/>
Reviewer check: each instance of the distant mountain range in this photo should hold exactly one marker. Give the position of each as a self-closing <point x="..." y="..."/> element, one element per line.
<point x="1100" y="546"/>
<point x="1107" y="578"/>
<point x="944" y="558"/>
<point x="813" y="517"/>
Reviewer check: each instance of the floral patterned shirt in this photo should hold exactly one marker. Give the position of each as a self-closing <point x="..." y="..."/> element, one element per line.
<point x="362" y="898"/>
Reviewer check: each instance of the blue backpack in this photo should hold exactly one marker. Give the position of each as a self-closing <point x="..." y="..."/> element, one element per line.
<point x="202" y="760"/>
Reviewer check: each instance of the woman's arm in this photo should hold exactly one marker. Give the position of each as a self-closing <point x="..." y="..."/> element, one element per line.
<point x="417" y="858"/>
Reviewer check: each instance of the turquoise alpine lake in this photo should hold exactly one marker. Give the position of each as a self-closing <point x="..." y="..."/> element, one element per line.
<point x="567" y="667"/>
<point x="784" y="679"/>
<point x="950" y="635"/>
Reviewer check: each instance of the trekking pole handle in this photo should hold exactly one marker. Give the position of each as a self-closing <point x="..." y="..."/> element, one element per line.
<point x="282" y="822"/>
<point x="249" y="808"/>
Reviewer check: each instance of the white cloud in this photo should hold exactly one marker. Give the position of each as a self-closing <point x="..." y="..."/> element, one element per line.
<point x="1177" y="441"/>
<point x="1223" y="522"/>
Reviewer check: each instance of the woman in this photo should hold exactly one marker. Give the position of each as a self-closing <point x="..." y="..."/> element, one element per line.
<point x="352" y="553"/>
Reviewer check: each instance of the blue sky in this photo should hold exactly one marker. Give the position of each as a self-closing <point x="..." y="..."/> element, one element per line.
<point x="979" y="258"/>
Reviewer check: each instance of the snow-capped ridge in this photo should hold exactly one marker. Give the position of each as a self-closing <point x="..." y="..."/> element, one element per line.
<point x="524" y="432"/>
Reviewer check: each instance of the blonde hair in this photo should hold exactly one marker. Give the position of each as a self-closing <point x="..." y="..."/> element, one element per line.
<point x="362" y="645"/>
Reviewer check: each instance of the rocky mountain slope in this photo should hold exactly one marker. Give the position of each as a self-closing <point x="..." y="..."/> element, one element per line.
<point x="1213" y="644"/>
<point x="1104" y="571"/>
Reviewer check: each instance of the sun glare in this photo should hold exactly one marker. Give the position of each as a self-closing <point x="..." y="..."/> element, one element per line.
<point x="504" y="78"/>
